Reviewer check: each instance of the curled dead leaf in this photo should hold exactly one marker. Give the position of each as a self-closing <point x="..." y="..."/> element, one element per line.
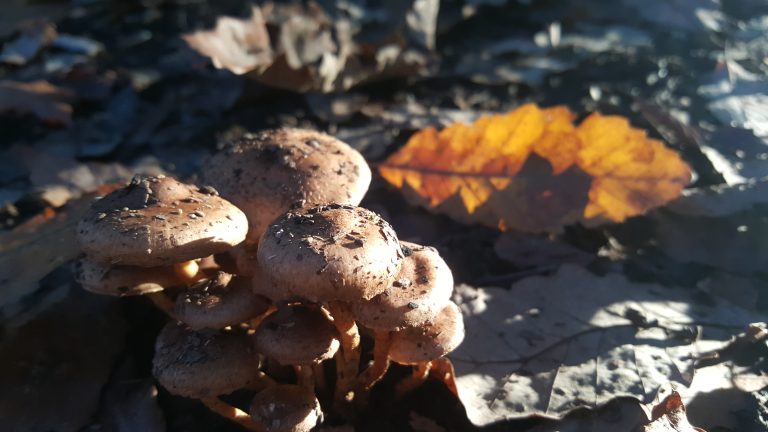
<point x="533" y="169"/>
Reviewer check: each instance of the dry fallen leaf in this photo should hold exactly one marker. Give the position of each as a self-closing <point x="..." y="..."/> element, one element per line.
<point x="549" y="345"/>
<point x="669" y="416"/>
<point x="38" y="246"/>
<point x="532" y="169"/>
<point x="46" y="101"/>
<point x="54" y="367"/>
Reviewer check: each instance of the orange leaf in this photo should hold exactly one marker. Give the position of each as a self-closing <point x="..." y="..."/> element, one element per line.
<point x="532" y="169"/>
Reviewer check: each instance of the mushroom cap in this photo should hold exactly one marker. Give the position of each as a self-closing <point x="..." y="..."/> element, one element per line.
<point x="156" y="221"/>
<point x="203" y="364"/>
<point x="430" y="341"/>
<point x="419" y="292"/>
<point x="264" y="286"/>
<point x="266" y="173"/>
<point x="219" y="301"/>
<point x="331" y="252"/>
<point x="123" y="281"/>
<point x="297" y="335"/>
<point x="286" y="408"/>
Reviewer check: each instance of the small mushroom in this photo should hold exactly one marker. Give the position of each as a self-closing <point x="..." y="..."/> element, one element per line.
<point x="267" y="173"/>
<point x="220" y="301"/>
<point x="158" y="221"/>
<point x="422" y="345"/>
<point x="419" y="292"/>
<point x="286" y="408"/>
<point x="123" y="281"/>
<point x="204" y="365"/>
<point x="300" y="336"/>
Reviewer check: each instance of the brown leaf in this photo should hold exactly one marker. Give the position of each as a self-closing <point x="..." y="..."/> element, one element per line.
<point x="36" y="247"/>
<point x="237" y="45"/>
<point x="532" y="169"/>
<point x="669" y="416"/>
<point x="40" y="98"/>
<point x="53" y="368"/>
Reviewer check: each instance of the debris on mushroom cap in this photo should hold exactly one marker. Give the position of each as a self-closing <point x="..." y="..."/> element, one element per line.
<point x="267" y="173"/>
<point x="430" y="341"/>
<point x="418" y="293"/>
<point x="331" y="252"/>
<point x="203" y="364"/>
<point x="218" y="302"/>
<point x="286" y="408"/>
<point x="156" y="221"/>
<point x="123" y="280"/>
<point x="297" y="335"/>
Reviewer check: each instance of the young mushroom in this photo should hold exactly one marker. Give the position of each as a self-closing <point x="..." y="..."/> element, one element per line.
<point x="420" y="291"/>
<point x="286" y="408"/>
<point x="333" y="254"/>
<point x="266" y="173"/>
<point x="299" y="336"/>
<point x="204" y="365"/>
<point x="158" y="221"/>
<point x="423" y="345"/>
<point x="155" y="224"/>
<point x="220" y="301"/>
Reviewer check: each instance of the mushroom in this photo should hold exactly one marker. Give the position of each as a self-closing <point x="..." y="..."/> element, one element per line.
<point x="286" y="408"/>
<point x="266" y="173"/>
<point x="158" y="221"/>
<point x="300" y="336"/>
<point x="204" y="365"/>
<point x="420" y="346"/>
<point x="419" y="292"/>
<point x="332" y="254"/>
<point x="220" y="301"/>
<point x="123" y="281"/>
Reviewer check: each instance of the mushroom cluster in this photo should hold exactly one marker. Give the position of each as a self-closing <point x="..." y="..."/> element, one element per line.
<point x="269" y="274"/>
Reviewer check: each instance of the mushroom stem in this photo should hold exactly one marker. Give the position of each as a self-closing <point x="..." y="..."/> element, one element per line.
<point x="187" y="270"/>
<point x="261" y="382"/>
<point x="442" y="369"/>
<point x="233" y="413"/>
<point x="256" y="321"/>
<point x="349" y="352"/>
<point x="378" y="368"/>
<point x="163" y="302"/>
<point x="304" y="377"/>
<point x="417" y="378"/>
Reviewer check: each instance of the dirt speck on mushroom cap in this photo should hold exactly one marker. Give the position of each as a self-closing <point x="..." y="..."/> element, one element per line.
<point x="266" y="173"/>
<point x="331" y="252"/>
<point x="156" y="221"/>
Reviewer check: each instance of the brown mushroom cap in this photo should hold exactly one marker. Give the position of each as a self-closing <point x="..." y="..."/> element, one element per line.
<point x="266" y="173"/>
<point x="157" y="221"/>
<point x="331" y="252"/>
<point x="218" y="302"/>
<point x="286" y="408"/>
<point x="430" y="341"/>
<point x="203" y="364"/>
<point x="123" y="280"/>
<point x="297" y="335"/>
<point x="264" y="286"/>
<point x="419" y="292"/>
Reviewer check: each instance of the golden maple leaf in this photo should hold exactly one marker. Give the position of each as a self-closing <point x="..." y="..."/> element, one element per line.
<point x="533" y="169"/>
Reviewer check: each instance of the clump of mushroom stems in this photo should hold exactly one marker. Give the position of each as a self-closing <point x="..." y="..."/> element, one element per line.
<point x="364" y="255"/>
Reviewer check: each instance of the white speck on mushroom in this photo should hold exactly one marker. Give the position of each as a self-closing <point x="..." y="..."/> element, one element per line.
<point x="177" y="211"/>
<point x="101" y="216"/>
